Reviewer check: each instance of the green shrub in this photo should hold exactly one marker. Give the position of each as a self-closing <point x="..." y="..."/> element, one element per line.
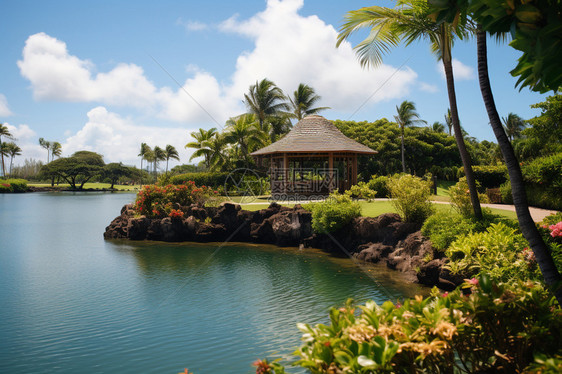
<point x="410" y="196"/>
<point x="489" y="176"/>
<point x="378" y="183"/>
<point x="333" y="213"/>
<point x="210" y="179"/>
<point x="551" y="219"/>
<point x="538" y="195"/>
<point x="487" y="327"/>
<point x="500" y="251"/>
<point x="361" y="191"/>
<point x="460" y="197"/>
<point x="505" y="192"/>
<point x="13" y="185"/>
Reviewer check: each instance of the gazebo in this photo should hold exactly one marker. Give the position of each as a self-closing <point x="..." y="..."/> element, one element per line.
<point x="314" y="158"/>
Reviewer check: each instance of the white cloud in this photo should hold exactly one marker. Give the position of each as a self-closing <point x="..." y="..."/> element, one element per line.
<point x="4" y="109"/>
<point x="290" y="49"/>
<point x="26" y="139"/>
<point x="426" y="87"/>
<point x="460" y="70"/>
<point x="118" y="139"/>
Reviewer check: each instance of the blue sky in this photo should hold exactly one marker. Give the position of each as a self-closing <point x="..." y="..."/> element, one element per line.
<point x="108" y="75"/>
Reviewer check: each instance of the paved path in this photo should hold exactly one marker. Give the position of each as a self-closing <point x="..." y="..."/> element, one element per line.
<point x="537" y="213"/>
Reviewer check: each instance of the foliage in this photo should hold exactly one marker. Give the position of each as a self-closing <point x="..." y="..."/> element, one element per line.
<point x="213" y="179"/>
<point x="361" y="190"/>
<point x="535" y="27"/>
<point x="186" y="168"/>
<point x="460" y="197"/>
<point x="303" y="101"/>
<point x="157" y="202"/>
<point x="334" y="213"/>
<point x="13" y="185"/>
<point x="116" y="171"/>
<point x="485" y="327"/>
<point x="78" y="168"/>
<point x="410" y="196"/>
<point x="551" y="219"/>
<point x="488" y="176"/>
<point x="29" y="170"/>
<point x="378" y="183"/>
<point x="500" y="251"/>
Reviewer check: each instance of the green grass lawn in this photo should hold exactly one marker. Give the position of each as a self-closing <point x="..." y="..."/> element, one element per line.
<point x="376" y="208"/>
<point x="89" y="186"/>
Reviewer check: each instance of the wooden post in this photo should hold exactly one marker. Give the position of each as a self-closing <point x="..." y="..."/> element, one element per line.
<point x="285" y="172"/>
<point x="331" y="171"/>
<point x="354" y="172"/>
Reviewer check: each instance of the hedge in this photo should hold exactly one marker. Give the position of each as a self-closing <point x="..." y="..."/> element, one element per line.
<point x="13" y="185"/>
<point x="210" y="179"/>
<point x="489" y="176"/>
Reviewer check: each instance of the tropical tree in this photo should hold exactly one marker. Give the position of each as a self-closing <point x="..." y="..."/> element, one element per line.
<point x="449" y="121"/>
<point x="144" y="149"/>
<point x="303" y="101"/>
<point x="406" y="117"/>
<point x="159" y="155"/>
<point x="114" y="171"/>
<point x="409" y="22"/>
<point x="513" y="125"/>
<point x="149" y="157"/>
<point x="13" y="151"/>
<point x="171" y="153"/>
<point x="47" y="145"/>
<point x="78" y="168"/>
<point x="201" y="144"/>
<point x="265" y="100"/>
<point x="437" y="127"/>
<point x="56" y="150"/>
<point x="243" y="133"/>
<point x="218" y="152"/>
<point x="4" y="132"/>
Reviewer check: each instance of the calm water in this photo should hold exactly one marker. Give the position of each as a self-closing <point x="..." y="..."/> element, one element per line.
<point x="72" y="302"/>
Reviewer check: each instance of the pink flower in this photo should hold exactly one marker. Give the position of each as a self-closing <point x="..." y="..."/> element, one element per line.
<point x="444" y="294"/>
<point x="473" y="281"/>
<point x="556" y="230"/>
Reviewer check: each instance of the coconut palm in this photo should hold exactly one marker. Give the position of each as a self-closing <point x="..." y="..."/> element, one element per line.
<point x="437" y="127"/>
<point x="171" y="153"/>
<point x="265" y="100"/>
<point x="303" y="101"/>
<point x="144" y="149"/>
<point x="47" y="145"/>
<point x="56" y="150"/>
<point x="4" y="132"/>
<point x="513" y="125"/>
<point x="159" y="155"/>
<point x="218" y="155"/>
<point x="409" y="22"/>
<point x="243" y="133"/>
<point x="149" y="157"/>
<point x="13" y="151"/>
<point x="449" y="121"/>
<point x="202" y="137"/>
<point x="407" y="116"/>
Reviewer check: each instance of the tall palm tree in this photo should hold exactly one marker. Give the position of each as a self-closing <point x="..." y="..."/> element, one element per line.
<point x="144" y="149"/>
<point x="542" y="253"/>
<point x="438" y="127"/>
<point x="171" y="153"/>
<point x="303" y="101"/>
<point x="149" y="157"/>
<point x="4" y="132"/>
<point x="449" y="121"/>
<point x="218" y="155"/>
<point x="56" y="150"/>
<point x="513" y="125"/>
<point x="202" y="138"/>
<point x="265" y="99"/>
<point x="243" y="133"/>
<point x="407" y="116"/>
<point x="47" y="145"/>
<point x="13" y="151"/>
<point x="409" y="22"/>
<point x="159" y="155"/>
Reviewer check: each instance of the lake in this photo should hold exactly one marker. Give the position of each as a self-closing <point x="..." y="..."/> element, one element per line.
<point x="73" y="302"/>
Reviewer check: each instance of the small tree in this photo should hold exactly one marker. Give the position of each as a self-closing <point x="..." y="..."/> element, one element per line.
<point x="410" y="196"/>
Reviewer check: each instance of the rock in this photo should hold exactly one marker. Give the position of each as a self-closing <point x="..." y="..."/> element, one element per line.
<point x="373" y="252"/>
<point x="429" y="272"/>
<point x="137" y="228"/>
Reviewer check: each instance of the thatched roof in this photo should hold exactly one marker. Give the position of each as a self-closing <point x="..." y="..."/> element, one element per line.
<point x="314" y="134"/>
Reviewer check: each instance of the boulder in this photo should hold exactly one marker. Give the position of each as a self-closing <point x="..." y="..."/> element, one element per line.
<point x="373" y="252"/>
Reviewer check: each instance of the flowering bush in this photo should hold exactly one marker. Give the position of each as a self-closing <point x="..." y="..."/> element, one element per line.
<point x="485" y="327"/>
<point x="556" y="230"/>
<point x="156" y="201"/>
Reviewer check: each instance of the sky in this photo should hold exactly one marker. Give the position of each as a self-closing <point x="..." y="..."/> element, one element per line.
<point x="106" y="76"/>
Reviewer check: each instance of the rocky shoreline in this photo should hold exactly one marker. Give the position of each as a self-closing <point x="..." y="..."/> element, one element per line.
<point x="384" y="238"/>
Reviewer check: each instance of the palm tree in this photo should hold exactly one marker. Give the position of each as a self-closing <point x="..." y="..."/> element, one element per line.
<point x="149" y="157"/>
<point x="47" y="145"/>
<point x="13" y="151"/>
<point x="513" y="125"/>
<point x="244" y="134"/>
<point x="542" y="253"/>
<point x="159" y="155"/>
<point x="144" y="149"/>
<point x="410" y="22"/>
<point x="170" y="152"/>
<point x="303" y="101"/>
<point x="4" y="132"/>
<point x="449" y="121"/>
<point x="56" y="150"/>
<point x="202" y="137"/>
<point x="437" y="127"/>
<point x="218" y="151"/>
<point x="264" y="100"/>
<point x="407" y="116"/>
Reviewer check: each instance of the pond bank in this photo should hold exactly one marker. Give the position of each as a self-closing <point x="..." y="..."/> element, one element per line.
<point x="384" y="238"/>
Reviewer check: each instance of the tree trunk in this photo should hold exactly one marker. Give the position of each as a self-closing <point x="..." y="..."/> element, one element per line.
<point x="465" y="157"/>
<point x="542" y="253"/>
<point x="402" y="149"/>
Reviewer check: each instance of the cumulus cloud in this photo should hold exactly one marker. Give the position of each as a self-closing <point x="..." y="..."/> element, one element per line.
<point x="26" y="139"/>
<point x="290" y="49"/>
<point x="460" y="70"/>
<point x="426" y="87"/>
<point x="191" y="25"/>
<point x="118" y="139"/>
<point x="4" y="109"/>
